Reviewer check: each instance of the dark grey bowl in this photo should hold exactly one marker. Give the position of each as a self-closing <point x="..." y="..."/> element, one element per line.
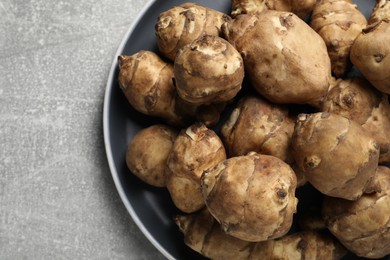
<point x="151" y="208"/>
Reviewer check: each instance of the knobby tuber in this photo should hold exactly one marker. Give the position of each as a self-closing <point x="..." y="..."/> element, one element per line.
<point x="209" y="70"/>
<point x="301" y="8"/>
<point x="363" y="226"/>
<point x="259" y="126"/>
<point x="338" y="22"/>
<point x="370" y="52"/>
<point x="195" y="150"/>
<point x="183" y="24"/>
<point x="237" y="191"/>
<point x="146" y="81"/>
<point x="356" y="99"/>
<point x="148" y="84"/>
<point x="325" y="146"/>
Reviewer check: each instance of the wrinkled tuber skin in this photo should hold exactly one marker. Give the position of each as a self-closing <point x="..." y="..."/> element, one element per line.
<point x="370" y="52"/>
<point x="259" y="126"/>
<point x="380" y="12"/>
<point x="238" y="190"/>
<point x="195" y="150"/>
<point x="248" y="7"/>
<point x="148" y="151"/>
<point x="363" y="226"/>
<point x="357" y="100"/>
<point x="183" y="24"/>
<point x="147" y="82"/>
<point x="204" y="235"/>
<point x="325" y="146"/>
<point x="338" y="22"/>
<point x="276" y="64"/>
<point x="301" y="8"/>
<point x="209" y="70"/>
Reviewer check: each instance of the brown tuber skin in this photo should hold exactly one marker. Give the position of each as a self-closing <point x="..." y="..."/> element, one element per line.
<point x="370" y="52"/>
<point x="275" y="62"/>
<point x="338" y="22"/>
<point x="147" y="82"/>
<point x="357" y="100"/>
<point x="148" y="151"/>
<point x="380" y="12"/>
<point x="238" y="190"/>
<point x="195" y="150"/>
<point x="259" y="126"/>
<point x="362" y="226"/>
<point x="301" y="8"/>
<point x="203" y="234"/>
<point x="209" y="70"/>
<point x="182" y="24"/>
<point x="325" y="146"/>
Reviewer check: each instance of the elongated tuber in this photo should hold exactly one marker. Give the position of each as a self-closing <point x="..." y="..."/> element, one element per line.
<point x="204" y="235"/>
<point x="276" y="63"/>
<point x="195" y="150"/>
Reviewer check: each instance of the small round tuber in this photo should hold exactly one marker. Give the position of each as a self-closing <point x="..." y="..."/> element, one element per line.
<point x="148" y="151"/>
<point x="182" y="24"/>
<point x="259" y="126"/>
<point x="209" y="70"/>
<point x="251" y="196"/>
<point x="147" y="82"/>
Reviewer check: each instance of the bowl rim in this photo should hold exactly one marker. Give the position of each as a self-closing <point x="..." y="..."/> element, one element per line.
<point x="107" y="132"/>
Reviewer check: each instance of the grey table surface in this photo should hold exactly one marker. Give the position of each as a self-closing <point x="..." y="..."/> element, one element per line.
<point x="57" y="196"/>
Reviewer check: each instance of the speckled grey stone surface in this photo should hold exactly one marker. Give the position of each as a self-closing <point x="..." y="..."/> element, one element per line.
<point x="57" y="197"/>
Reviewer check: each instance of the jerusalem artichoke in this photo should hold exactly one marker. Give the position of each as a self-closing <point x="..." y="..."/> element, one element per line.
<point x="325" y="146"/>
<point x="338" y="22"/>
<point x="370" y="52"/>
<point x="209" y="70"/>
<point x="237" y="191"/>
<point x="195" y="150"/>
<point x="183" y="24"/>
<point x="276" y="63"/>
